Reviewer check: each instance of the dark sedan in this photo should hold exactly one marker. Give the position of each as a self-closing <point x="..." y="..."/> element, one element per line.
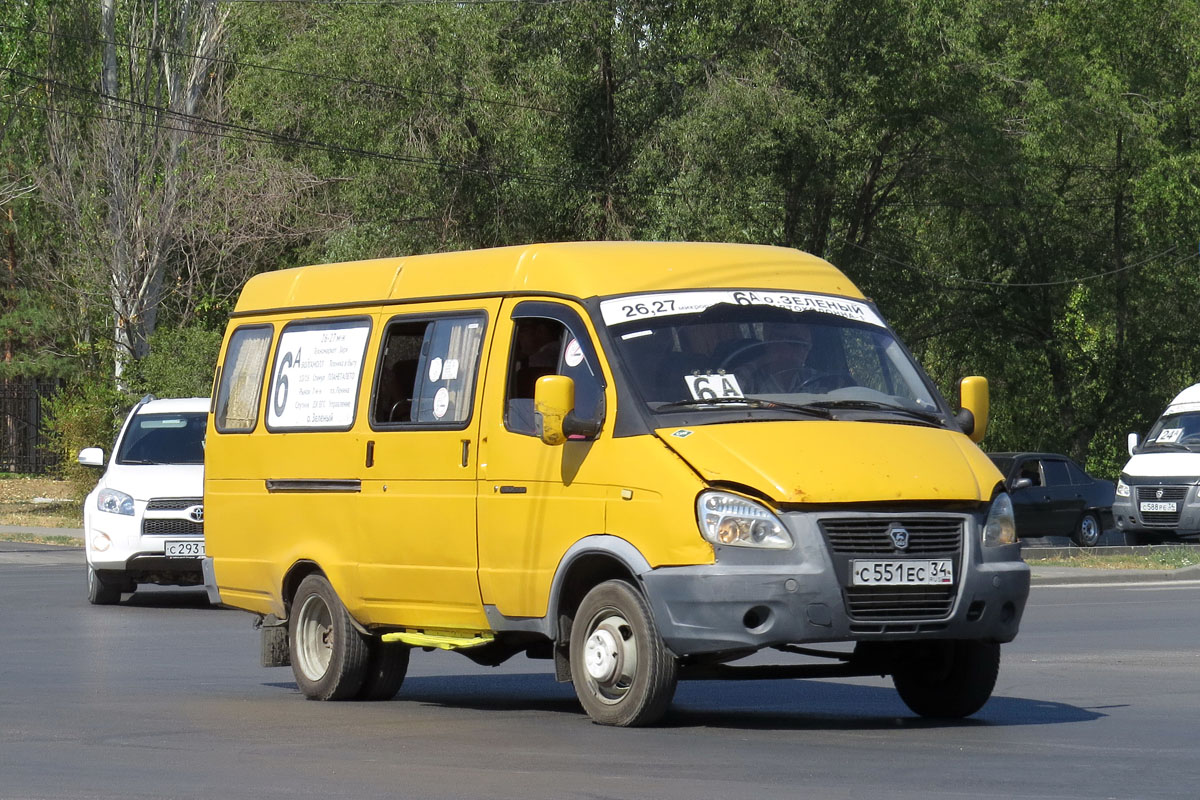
<point x="1053" y="496"/>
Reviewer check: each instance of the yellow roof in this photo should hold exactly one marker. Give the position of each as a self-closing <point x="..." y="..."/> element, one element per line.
<point x="576" y="269"/>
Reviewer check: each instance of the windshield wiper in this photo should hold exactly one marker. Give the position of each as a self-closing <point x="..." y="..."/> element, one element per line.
<point x="1169" y="446"/>
<point x="872" y="405"/>
<point x="139" y="461"/>
<point x="811" y="409"/>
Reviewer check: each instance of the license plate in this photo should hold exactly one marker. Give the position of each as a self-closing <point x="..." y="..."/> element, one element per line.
<point x="183" y="548"/>
<point x="1157" y="506"/>
<point x="901" y="573"/>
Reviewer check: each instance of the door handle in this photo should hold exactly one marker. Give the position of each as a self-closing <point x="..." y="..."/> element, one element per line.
<point x="511" y="489"/>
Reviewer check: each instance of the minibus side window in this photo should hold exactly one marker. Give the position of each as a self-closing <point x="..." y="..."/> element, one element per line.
<point x="427" y="371"/>
<point x="543" y="346"/>
<point x="242" y="379"/>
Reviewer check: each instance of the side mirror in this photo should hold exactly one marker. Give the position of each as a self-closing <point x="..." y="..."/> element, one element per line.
<point x="1021" y="483"/>
<point x="91" y="457"/>
<point x="973" y="397"/>
<point x="554" y="411"/>
<point x="1132" y="442"/>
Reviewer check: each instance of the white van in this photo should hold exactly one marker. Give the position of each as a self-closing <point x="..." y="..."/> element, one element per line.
<point x="1158" y="495"/>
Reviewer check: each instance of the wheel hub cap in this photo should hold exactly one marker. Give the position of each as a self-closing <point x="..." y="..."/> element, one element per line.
<point x="600" y="655"/>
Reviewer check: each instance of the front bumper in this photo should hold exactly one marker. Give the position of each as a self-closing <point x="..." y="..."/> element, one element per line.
<point x="1183" y="522"/>
<point x="132" y="548"/>
<point x="749" y="600"/>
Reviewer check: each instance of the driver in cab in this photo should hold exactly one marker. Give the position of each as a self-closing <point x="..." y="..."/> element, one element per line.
<point x="778" y="363"/>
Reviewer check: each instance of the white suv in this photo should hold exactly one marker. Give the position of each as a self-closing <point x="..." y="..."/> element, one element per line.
<point x="144" y="521"/>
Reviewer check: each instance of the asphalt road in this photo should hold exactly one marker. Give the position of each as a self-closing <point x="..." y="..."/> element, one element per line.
<point x="162" y="697"/>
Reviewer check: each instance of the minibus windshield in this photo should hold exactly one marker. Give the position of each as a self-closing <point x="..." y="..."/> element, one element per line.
<point x="785" y="351"/>
<point x="1174" y="432"/>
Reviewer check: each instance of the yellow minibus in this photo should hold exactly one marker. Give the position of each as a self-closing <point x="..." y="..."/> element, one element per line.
<point x="641" y="461"/>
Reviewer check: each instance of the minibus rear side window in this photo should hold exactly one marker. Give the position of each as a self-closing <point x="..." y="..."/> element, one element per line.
<point x="242" y="379"/>
<point x="427" y="372"/>
<point x="317" y="373"/>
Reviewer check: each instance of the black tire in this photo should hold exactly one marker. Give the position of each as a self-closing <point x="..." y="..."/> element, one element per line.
<point x="623" y="673"/>
<point x="1087" y="530"/>
<point x="948" y="679"/>
<point x="101" y="592"/>
<point x="329" y="656"/>
<point x="387" y="664"/>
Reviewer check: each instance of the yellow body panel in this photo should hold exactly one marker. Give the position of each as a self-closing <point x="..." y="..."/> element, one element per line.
<point x="820" y="461"/>
<point x="576" y="269"/>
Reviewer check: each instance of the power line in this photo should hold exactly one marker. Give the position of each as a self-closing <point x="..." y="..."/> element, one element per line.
<point x="223" y="130"/>
<point x="400" y="90"/>
<point x="1004" y="285"/>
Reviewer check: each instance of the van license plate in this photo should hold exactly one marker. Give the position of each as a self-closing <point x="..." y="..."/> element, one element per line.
<point x="901" y="573"/>
<point x="183" y="549"/>
<point x="1157" y="507"/>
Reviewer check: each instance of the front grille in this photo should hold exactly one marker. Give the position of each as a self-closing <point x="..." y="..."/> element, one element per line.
<point x="899" y="602"/>
<point x="1149" y="494"/>
<point x="849" y="538"/>
<point x="926" y="536"/>
<point x="173" y="503"/>
<point x="172" y="527"/>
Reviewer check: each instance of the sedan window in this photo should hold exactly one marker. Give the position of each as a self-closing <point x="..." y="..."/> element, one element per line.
<point x="1055" y="473"/>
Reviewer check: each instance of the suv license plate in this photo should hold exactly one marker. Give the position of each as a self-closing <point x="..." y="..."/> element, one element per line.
<point x="177" y="548"/>
<point x="901" y="573"/>
<point x="1157" y="507"/>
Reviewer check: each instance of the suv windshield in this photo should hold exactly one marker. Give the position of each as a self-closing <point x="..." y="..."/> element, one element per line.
<point x="164" y="439"/>
<point x="779" y="350"/>
<point x="1174" y="432"/>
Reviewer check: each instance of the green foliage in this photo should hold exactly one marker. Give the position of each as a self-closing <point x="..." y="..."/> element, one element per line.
<point x="1017" y="185"/>
<point x="180" y="363"/>
<point x="87" y="413"/>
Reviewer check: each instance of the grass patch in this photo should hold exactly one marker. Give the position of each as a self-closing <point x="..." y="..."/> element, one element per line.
<point x="35" y="538"/>
<point x="39" y="502"/>
<point x="1152" y="558"/>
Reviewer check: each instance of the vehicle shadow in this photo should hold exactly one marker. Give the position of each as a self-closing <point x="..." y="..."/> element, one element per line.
<point x="747" y="705"/>
<point x="167" y="597"/>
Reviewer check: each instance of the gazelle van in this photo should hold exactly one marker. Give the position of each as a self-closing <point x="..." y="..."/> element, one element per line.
<point x="642" y="461"/>
<point x="1158" y="494"/>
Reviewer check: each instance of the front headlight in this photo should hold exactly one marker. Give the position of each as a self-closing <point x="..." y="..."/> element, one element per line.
<point x="1122" y="488"/>
<point x="729" y="519"/>
<point x="1000" y="527"/>
<point x="114" y="502"/>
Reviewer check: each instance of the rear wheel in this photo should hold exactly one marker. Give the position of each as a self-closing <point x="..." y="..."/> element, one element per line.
<point x="101" y="592"/>
<point x="950" y="679"/>
<point x="623" y="673"/>
<point x="329" y="656"/>
<point x="1087" y="532"/>
<point x="387" y="664"/>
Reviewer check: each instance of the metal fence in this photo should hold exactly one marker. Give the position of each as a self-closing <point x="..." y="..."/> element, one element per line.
<point x="23" y="446"/>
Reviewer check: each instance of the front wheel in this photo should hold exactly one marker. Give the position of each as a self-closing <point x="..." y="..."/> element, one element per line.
<point x="1087" y="532"/>
<point x="101" y="592"/>
<point x="949" y="679"/>
<point x="329" y="656"/>
<point x="623" y="673"/>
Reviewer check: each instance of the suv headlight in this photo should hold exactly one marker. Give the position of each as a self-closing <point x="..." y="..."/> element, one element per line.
<point x="1122" y="488"/>
<point x="729" y="519"/>
<point x="114" y="502"/>
<point x="1000" y="527"/>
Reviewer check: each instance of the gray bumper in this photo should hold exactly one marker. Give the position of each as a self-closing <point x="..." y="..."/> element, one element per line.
<point x="798" y="596"/>
<point x="210" y="581"/>
<point x="1184" y="523"/>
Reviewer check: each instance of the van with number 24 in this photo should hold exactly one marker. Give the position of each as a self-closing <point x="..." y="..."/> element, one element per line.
<point x="643" y="462"/>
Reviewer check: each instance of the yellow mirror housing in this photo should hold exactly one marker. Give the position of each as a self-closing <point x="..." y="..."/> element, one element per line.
<point x="553" y="400"/>
<point x="973" y="398"/>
